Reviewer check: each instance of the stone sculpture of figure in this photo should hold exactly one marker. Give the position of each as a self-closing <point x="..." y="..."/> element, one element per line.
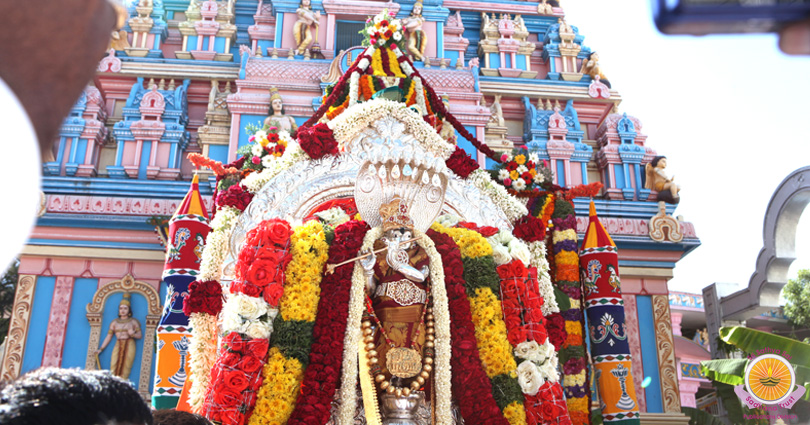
<point x="399" y="288"/>
<point x="496" y="118"/>
<point x="277" y="117"/>
<point x="657" y="180"/>
<point x="417" y="39"/>
<point x="126" y="330"/>
<point x="544" y="8"/>
<point x="119" y="40"/>
<point x="304" y="26"/>
<point x="590" y="66"/>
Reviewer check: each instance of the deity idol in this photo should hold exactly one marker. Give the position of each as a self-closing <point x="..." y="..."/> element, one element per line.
<point x="304" y="26"/>
<point x="126" y="330"/>
<point x="277" y="117"/>
<point x="417" y="39"/>
<point x="398" y="287"/>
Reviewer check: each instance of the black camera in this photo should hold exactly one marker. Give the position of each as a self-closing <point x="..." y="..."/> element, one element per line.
<point x="702" y="17"/>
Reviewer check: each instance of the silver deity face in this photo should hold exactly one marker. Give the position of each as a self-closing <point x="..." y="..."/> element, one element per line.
<point x="400" y="234"/>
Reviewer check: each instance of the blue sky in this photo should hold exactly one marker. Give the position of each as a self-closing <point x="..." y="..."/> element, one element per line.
<point x="729" y="112"/>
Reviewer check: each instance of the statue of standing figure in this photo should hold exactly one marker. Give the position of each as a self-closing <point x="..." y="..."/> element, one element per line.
<point x="277" y="117"/>
<point x="304" y="26"/>
<point x="417" y="39"/>
<point x="126" y="330"/>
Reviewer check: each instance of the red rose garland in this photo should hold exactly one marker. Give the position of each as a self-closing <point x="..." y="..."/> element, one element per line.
<point x="471" y="386"/>
<point x="522" y="304"/>
<point x="321" y="376"/>
<point x="461" y="163"/>
<point x="547" y="406"/>
<point x="317" y="141"/>
<point x="262" y="261"/>
<point x="203" y="297"/>
<point x="235" y="378"/>
<point x="235" y="196"/>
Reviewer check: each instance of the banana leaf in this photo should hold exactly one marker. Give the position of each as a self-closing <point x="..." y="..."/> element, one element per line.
<point x="727" y="371"/>
<point x="700" y="417"/>
<point x="750" y="341"/>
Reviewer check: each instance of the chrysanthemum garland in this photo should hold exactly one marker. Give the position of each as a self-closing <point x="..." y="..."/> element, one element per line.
<point x="482" y="285"/>
<point x="572" y="352"/>
<point x="321" y="376"/>
<point x="292" y="337"/>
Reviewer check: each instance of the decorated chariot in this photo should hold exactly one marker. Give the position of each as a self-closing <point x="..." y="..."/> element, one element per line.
<point x="366" y="270"/>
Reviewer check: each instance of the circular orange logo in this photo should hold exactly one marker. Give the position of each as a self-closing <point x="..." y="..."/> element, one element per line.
<point x="769" y="378"/>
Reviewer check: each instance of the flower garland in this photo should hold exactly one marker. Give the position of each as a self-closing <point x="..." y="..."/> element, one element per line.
<point x="482" y="285"/>
<point x="471" y="386"/>
<point x="203" y="345"/>
<point x="461" y="163"/>
<point x="317" y="141"/>
<point x="508" y="203"/>
<point x="235" y="378"/>
<point x="292" y="338"/>
<point x="572" y="352"/>
<point x="292" y="155"/>
<point x="346" y="126"/>
<point x="321" y="376"/>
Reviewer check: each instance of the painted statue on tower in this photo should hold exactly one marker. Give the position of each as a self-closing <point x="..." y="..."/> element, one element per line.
<point x="126" y="329"/>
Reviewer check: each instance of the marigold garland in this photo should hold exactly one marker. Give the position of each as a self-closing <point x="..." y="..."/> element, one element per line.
<point x="572" y="352"/>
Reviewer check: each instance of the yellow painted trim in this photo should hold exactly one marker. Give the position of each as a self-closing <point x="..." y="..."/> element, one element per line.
<point x="645" y="272"/>
<point x="105" y="253"/>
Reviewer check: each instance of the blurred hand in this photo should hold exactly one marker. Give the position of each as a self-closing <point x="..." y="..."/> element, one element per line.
<point x="794" y="39"/>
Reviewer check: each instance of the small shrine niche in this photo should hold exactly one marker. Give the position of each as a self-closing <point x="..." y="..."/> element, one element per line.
<point x="148" y="29"/>
<point x="505" y="47"/>
<point x="209" y="31"/>
<point x="622" y="153"/>
<point x="152" y="137"/>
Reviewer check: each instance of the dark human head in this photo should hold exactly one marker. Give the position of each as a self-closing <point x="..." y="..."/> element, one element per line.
<point x="177" y="417"/>
<point x="655" y="160"/>
<point x="49" y="396"/>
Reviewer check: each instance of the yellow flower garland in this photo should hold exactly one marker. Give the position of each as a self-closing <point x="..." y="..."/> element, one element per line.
<point x="302" y="289"/>
<point x="393" y="64"/>
<point x="276" y="397"/>
<point x="490" y="332"/>
<point x="514" y="413"/>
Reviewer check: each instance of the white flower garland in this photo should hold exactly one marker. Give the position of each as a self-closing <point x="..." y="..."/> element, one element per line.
<point x="216" y="245"/>
<point x="506" y="248"/>
<point x="420" y="95"/>
<point x="357" y="118"/>
<point x="247" y="315"/>
<point x="351" y="340"/>
<point x="544" y="357"/>
<point x="292" y="155"/>
<point x="354" y="88"/>
<point x="202" y="350"/>
<point x="334" y="216"/>
<point x="442" y="372"/>
<point x="546" y="289"/>
<point x="498" y="195"/>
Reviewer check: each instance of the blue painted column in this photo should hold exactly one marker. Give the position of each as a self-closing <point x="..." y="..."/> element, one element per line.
<point x="649" y="353"/>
